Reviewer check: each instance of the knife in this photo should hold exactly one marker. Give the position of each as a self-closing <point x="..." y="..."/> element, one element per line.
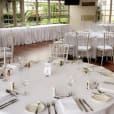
<point x="79" y="105"/>
<point x="48" y="106"/>
<point x="88" y="105"/>
<point x="81" y="102"/>
<point x="36" y="111"/>
<point x="53" y="104"/>
<point x="8" y="103"/>
<point x="112" y="83"/>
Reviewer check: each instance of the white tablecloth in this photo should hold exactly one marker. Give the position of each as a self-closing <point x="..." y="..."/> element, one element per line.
<point x="33" y="34"/>
<point x="108" y="27"/>
<point x="40" y="87"/>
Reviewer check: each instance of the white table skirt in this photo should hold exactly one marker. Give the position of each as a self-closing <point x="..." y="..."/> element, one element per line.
<point x="33" y="34"/>
<point x="40" y="87"/>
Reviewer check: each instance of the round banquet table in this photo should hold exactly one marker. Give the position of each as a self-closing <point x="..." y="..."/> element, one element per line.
<point x="39" y="87"/>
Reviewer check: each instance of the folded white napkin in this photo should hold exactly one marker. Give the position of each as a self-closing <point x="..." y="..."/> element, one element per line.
<point x="3" y="112"/>
<point x="12" y="66"/>
<point x="106" y="87"/>
<point x="67" y="106"/>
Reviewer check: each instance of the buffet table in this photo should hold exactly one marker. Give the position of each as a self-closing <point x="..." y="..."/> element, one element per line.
<point x="71" y="77"/>
<point x="32" y="34"/>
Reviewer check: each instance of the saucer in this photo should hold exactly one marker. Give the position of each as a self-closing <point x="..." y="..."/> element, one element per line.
<point x="33" y="107"/>
<point x="102" y="97"/>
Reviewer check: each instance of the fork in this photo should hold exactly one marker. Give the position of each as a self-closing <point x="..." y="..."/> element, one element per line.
<point x="36" y="111"/>
<point x="53" y="104"/>
<point x="48" y="106"/>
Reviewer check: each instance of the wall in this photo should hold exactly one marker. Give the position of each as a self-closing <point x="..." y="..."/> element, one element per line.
<point x="76" y="12"/>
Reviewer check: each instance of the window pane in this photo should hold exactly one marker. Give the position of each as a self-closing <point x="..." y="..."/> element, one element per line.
<point x="34" y="12"/>
<point x="30" y="12"/>
<point x="8" y="14"/>
<point x="43" y="12"/>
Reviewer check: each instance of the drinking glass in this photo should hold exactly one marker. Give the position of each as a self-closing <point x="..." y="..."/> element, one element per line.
<point x="25" y="85"/>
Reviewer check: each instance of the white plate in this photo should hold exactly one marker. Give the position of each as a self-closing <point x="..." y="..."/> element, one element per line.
<point x="102" y="97"/>
<point x="33" y="106"/>
<point x="107" y="74"/>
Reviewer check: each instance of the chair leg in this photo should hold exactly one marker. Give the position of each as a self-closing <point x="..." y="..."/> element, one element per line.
<point x="102" y="60"/>
<point x="112" y="57"/>
<point x="106" y="58"/>
<point x="87" y="57"/>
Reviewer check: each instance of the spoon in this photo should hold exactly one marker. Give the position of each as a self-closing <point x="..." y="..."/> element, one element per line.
<point x="36" y="111"/>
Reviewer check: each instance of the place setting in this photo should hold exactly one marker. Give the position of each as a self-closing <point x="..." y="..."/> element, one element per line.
<point x="99" y="91"/>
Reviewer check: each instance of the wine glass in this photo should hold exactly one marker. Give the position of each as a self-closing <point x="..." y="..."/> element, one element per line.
<point x="25" y="84"/>
<point x="70" y="81"/>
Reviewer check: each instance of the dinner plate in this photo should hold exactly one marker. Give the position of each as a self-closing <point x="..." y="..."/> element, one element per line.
<point x="102" y="97"/>
<point x="107" y="74"/>
<point x="33" y="107"/>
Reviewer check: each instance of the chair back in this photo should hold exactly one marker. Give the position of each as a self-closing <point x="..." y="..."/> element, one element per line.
<point x="83" y="39"/>
<point x="70" y="38"/>
<point x="59" y="51"/>
<point x="7" y="51"/>
<point x="108" y="38"/>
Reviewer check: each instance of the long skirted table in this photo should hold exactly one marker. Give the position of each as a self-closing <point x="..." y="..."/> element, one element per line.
<point x="32" y="34"/>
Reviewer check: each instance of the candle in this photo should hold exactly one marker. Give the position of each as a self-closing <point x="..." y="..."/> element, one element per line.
<point x="53" y="92"/>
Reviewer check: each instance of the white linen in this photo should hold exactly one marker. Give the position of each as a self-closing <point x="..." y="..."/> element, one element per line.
<point x="39" y="87"/>
<point x="67" y="106"/>
<point x="32" y="34"/>
<point x="106" y="87"/>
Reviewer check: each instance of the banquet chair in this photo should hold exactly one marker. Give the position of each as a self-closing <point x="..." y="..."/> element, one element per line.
<point x="83" y="45"/>
<point x="59" y="51"/>
<point x="70" y="40"/>
<point x="59" y="38"/>
<point x="6" y="52"/>
<point x="106" y="46"/>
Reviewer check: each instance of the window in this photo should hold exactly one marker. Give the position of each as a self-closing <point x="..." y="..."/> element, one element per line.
<point x="107" y="11"/>
<point x="34" y="12"/>
<point x="8" y="14"/>
<point x="59" y="12"/>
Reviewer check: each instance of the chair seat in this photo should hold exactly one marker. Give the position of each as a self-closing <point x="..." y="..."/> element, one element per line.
<point x="69" y="45"/>
<point x="8" y="54"/>
<point x="102" y="48"/>
<point x="6" y="48"/>
<point x="58" y="42"/>
<point x="84" y="48"/>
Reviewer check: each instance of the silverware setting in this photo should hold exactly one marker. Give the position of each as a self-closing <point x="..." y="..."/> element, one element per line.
<point x="53" y="104"/>
<point x="36" y="111"/>
<point x="79" y="105"/>
<point x="48" y="106"/>
<point x="111" y="83"/>
<point x="87" y="104"/>
<point x="84" y="106"/>
<point x="8" y="103"/>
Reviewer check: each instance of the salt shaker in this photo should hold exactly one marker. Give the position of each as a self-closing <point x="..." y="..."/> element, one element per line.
<point x="88" y="85"/>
